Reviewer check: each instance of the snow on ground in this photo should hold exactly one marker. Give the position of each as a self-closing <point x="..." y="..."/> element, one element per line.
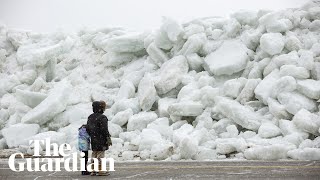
<point x="213" y="88"/>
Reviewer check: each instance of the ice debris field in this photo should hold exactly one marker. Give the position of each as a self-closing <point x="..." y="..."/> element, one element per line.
<point x="244" y="87"/>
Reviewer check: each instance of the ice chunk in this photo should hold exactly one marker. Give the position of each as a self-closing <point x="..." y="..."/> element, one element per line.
<point x="230" y="145"/>
<point x="162" y="126"/>
<point x="316" y="71"/>
<point x="163" y="105"/>
<point x="315" y="25"/>
<point x="233" y="87"/>
<point x="4" y="116"/>
<point x="251" y="38"/>
<point x="8" y="83"/>
<point x="228" y="59"/>
<point x="278" y="26"/>
<point x="72" y="114"/>
<point x="284" y="84"/>
<point x="27" y="76"/>
<point x="126" y="91"/>
<point x="208" y="94"/>
<point x="125" y="104"/>
<point x="149" y="137"/>
<point x="291" y="58"/>
<point x="147" y="93"/>
<point x="205" y="154"/>
<point x="18" y="134"/>
<point x="171" y="73"/>
<point x="232" y="27"/>
<point x="195" y="62"/>
<point x="125" y="43"/>
<point x="116" y="59"/>
<point x="172" y="28"/>
<point x="272" y="43"/>
<point x="293" y="43"/>
<point x="288" y="127"/>
<point x="193" y="44"/>
<point x="315" y="49"/>
<point x="185" y="108"/>
<point x="294" y="71"/>
<point x="121" y="118"/>
<point x="268" y="130"/>
<point x="161" y="151"/>
<point x="114" y="129"/>
<point x="309" y="88"/>
<point x="181" y="133"/>
<point x="232" y="132"/>
<point x="306" y="59"/>
<point x="55" y="103"/>
<point x="55" y="137"/>
<point x="156" y="54"/>
<point x="178" y="124"/>
<point x="188" y="148"/>
<point x="277" y="109"/>
<point x="245" y="17"/>
<point x="247" y="92"/>
<point x="310" y="154"/>
<point x="31" y="99"/>
<point x="39" y="55"/>
<point x="271" y="152"/>
<point x="307" y="121"/>
<point x="240" y="114"/>
<point x="265" y="87"/>
<point x="162" y="41"/>
<point x="294" y="101"/>
<point x="141" y="120"/>
<point x="221" y="125"/>
<point x="193" y="29"/>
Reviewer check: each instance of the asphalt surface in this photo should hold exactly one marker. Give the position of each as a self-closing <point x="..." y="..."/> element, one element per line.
<point x="185" y="170"/>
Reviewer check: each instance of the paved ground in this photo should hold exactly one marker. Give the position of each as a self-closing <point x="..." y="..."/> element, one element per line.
<point x="186" y="170"/>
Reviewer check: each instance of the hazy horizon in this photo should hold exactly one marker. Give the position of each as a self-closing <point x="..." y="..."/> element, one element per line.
<point x="71" y="15"/>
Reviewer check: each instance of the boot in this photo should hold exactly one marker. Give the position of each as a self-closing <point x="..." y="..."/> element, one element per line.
<point x="93" y="173"/>
<point x="102" y="173"/>
<point x="85" y="173"/>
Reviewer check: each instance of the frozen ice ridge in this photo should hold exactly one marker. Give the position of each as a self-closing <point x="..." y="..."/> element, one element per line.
<point x="243" y="87"/>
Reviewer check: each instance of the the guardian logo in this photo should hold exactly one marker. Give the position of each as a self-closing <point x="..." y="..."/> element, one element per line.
<point x="69" y="160"/>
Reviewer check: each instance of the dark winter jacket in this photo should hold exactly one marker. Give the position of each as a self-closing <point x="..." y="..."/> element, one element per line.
<point x="97" y="128"/>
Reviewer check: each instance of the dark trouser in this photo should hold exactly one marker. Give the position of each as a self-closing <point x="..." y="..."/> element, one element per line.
<point x="86" y="158"/>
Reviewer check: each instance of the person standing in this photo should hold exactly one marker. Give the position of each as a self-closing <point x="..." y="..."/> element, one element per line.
<point x="84" y="145"/>
<point x="97" y="128"/>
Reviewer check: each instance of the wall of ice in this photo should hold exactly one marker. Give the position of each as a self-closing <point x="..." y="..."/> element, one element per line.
<point x="247" y="86"/>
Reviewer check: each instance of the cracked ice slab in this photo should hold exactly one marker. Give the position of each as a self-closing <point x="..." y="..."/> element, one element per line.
<point x="228" y="59"/>
<point x="240" y="114"/>
<point x="55" y="103"/>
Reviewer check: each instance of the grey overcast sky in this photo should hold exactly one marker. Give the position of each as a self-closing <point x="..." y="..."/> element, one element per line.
<point x="70" y="15"/>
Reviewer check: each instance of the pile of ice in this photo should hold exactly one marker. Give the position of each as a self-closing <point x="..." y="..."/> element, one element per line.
<point x="247" y="86"/>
